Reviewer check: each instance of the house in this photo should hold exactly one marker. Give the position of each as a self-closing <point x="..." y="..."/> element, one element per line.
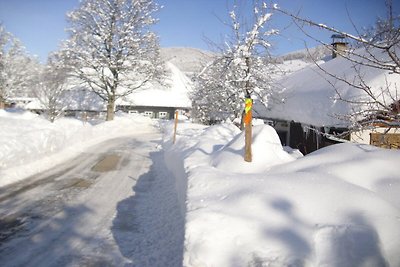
<point x="77" y="102"/>
<point x="155" y="100"/>
<point x="310" y="113"/>
<point x="160" y="100"/>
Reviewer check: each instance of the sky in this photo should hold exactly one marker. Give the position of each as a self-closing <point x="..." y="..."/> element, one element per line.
<point x="40" y="24"/>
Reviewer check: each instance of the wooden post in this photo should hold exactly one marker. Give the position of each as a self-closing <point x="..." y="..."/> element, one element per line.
<point x="85" y="117"/>
<point x="248" y="130"/>
<point x="175" y="126"/>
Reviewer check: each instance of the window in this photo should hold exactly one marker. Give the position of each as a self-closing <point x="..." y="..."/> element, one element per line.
<point x="163" y="115"/>
<point x="148" y="114"/>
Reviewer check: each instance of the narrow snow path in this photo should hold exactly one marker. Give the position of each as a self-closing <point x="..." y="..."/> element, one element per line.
<point x="114" y="205"/>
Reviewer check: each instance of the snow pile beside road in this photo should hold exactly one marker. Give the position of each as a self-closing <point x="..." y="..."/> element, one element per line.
<point x="338" y="206"/>
<point x="267" y="151"/>
<point x="30" y="144"/>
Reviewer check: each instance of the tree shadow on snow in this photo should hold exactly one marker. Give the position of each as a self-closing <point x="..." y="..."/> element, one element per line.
<point x="297" y="245"/>
<point x="149" y="227"/>
<point x="353" y="244"/>
<point x="55" y="242"/>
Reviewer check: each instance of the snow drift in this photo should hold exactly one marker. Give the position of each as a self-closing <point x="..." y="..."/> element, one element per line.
<point x="338" y="206"/>
<point x="30" y="144"/>
<point x="333" y="207"/>
<point x="267" y="151"/>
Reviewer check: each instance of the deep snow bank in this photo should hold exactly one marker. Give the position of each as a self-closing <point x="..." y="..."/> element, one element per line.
<point x="267" y="151"/>
<point x="334" y="207"/>
<point x="30" y="144"/>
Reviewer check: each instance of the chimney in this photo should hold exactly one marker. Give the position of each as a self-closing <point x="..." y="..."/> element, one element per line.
<point x="339" y="45"/>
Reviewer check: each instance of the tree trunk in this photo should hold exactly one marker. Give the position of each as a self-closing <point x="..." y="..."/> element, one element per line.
<point x="2" y="105"/>
<point x="110" y="108"/>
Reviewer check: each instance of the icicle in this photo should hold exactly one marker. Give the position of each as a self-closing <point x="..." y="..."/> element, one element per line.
<point x="306" y="129"/>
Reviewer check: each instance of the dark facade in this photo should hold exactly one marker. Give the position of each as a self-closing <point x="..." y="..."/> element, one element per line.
<point x="152" y="112"/>
<point x="306" y="138"/>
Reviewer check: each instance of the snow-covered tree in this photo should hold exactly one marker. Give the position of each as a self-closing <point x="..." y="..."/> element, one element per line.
<point x="52" y="83"/>
<point x="215" y="99"/>
<point x="374" y="49"/>
<point x="17" y="70"/>
<point x="111" y="48"/>
<point x="243" y="68"/>
<point x="3" y="42"/>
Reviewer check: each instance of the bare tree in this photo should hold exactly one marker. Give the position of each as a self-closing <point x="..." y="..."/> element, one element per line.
<point x="111" y="48"/>
<point x="52" y="84"/>
<point x="376" y="49"/>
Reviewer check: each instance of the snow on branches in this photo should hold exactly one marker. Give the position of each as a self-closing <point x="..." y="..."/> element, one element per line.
<point x="17" y="68"/>
<point x="375" y="51"/>
<point x="242" y="69"/>
<point x="111" y="47"/>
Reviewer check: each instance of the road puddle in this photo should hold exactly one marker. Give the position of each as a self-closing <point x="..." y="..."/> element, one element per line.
<point x="108" y="163"/>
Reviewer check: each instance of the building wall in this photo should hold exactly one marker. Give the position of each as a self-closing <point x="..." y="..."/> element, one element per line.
<point x="377" y="138"/>
<point x="152" y="112"/>
<point x="306" y="138"/>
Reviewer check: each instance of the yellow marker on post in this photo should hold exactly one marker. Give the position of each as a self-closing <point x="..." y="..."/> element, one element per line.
<point x="248" y="110"/>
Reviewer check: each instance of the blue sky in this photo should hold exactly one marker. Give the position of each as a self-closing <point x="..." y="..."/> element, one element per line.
<point x="40" y="24"/>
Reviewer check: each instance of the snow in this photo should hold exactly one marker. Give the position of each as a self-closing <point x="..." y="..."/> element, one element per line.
<point x="188" y="60"/>
<point x="75" y="99"/>
<point x="173" y="94"/>
<point x="291" y="66"/>
<point x="313" y="100"/>
<point x="265" y="138"/>
<point x="30" y="144"/>
<point x="338" y="206"/>
<point x="335" y="207"/>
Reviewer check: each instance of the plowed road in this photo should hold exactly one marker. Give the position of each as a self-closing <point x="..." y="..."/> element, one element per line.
<point x="114" y="205"/>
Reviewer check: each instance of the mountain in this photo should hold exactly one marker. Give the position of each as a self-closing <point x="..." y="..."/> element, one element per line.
<point x="320" y="52"/>
<point x="188" y="60"/>
<point x="191" y="61"/>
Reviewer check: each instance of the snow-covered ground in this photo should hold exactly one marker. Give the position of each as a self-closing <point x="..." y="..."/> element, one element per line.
<point x="338" y="206"/>
<point x="30" y="144"/>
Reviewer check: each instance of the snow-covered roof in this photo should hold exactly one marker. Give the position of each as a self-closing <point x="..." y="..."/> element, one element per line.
<point x="175" y="92"/>
<point x="309" y="96"/>
<point x="83" y="100"/>
<point x="77" y="99"/>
